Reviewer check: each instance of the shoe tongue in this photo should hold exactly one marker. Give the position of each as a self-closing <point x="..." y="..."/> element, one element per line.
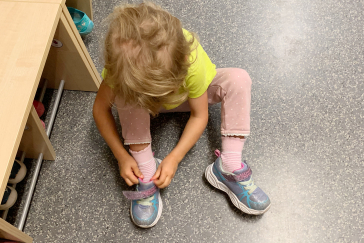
<point x="142" y="186"/>
<point x="244" y="167"/>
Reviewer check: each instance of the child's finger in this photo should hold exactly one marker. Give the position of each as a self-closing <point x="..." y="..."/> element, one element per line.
<point x="156" y="174"/>
<point x="161" y="179"/>
<point x="137" y="172"/>
<point x="128" y="182"/>
<point x="133" y="178"/>
<point x="166" y="182"/>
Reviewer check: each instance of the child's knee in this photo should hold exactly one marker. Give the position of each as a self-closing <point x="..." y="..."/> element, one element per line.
<point x="243" y="77"/>
<point x="239" y="80"/>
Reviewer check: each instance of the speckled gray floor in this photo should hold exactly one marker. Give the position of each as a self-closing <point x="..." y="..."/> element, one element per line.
<point x="306" y="148"/>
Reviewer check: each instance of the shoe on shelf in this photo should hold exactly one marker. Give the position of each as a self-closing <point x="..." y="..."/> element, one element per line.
<point x="39" y="107"/>
<point x="239" y="186"/>
<point x="9" y="198"/>
<point x="18" y="172"/>
<point x="83" y="23"/>
<point x="146" y="203"/>
<point x="43" y="124"/>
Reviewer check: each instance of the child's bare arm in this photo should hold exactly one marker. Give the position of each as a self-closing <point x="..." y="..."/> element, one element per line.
<point x="106" y="124"/>
<point x="192" y="132"/>
<point x="194" y="127"/>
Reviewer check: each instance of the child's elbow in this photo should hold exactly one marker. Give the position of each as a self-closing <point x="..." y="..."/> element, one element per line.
<point x="206" y="119"/>
<point x="97" y="109"/>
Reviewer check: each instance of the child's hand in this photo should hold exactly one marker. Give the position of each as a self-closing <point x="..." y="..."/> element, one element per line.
<point x="165" y="172"/>
<point x="129" y="171"/>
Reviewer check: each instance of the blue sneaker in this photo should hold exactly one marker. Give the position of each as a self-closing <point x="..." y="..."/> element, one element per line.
<point x="83" y="23"/>
<point x="146" y="205"/>
<point x="240" y="187"/>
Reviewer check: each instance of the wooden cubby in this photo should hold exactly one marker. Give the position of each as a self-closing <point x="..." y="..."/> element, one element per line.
<point x="26" y="58"/>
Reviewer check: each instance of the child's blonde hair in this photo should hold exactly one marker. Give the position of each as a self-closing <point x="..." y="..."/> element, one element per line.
<point x="146" y="56"/>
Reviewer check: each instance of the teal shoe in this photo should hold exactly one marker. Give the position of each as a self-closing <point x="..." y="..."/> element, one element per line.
<point x="240" y="187"/>
<point x="82" y="21"/>
<point x="146" y="203"/>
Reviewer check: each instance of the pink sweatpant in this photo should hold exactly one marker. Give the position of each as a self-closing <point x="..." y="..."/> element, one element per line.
<point x="231" y="87"/>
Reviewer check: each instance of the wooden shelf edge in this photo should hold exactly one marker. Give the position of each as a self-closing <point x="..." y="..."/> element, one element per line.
<point x="9" y="232"/>
<point x="82" y="45"/>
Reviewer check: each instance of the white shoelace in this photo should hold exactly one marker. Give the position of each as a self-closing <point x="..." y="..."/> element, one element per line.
<point x="146" y="201"/>
<point x="249" y="185"/>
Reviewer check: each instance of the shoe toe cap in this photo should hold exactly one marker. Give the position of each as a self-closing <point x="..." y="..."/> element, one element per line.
<point x="143" y="215"/>
<point x="259" y="200"/>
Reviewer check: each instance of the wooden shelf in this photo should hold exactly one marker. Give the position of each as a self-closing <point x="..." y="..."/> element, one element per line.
<point x="27" y="29"/>
<point x="35" y="140"/>
<point x="81" y="45"/>
<point x="69" y="62"/>
<point x="9" y="232"/>
<point x="40" y="1"/>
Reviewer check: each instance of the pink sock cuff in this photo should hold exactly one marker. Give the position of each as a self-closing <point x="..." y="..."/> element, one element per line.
<point x="231" y="153"/>
<point x="232" y="144"/>
<point x="141" y="151"/>
<point x="145" y="161"/>
<point x="143" y="155"/>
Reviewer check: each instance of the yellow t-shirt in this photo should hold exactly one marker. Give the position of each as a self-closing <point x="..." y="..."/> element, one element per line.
<point x="200" y="74"/>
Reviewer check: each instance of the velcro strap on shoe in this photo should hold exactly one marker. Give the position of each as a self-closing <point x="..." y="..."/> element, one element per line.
<point x="137" y="195"/>
<point x="243" y="176"/>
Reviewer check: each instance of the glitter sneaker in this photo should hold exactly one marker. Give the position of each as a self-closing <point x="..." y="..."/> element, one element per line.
<point x="240" y="187"/>
<point x="146" y="205"/>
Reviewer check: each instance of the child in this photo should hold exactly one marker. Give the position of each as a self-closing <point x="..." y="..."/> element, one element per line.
<point x="152" y="65"/>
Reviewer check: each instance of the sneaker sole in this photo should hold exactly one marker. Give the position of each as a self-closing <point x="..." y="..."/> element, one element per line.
<point x="160" y="208"/>
<point x="211" y="178"/>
